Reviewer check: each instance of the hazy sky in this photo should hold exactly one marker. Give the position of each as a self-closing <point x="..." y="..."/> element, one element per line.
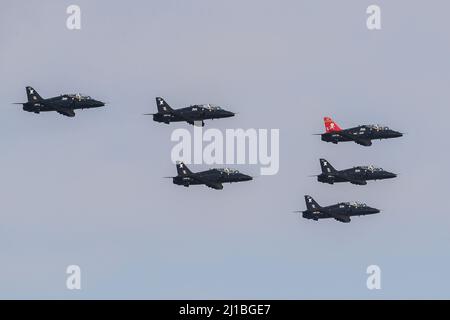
<point x="89" y="190"/>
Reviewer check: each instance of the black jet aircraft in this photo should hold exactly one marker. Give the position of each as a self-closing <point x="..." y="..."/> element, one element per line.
<point x="362" y="135"/>
<point x="192" y="114"/>
<point x="356" y="175"/>
<point x="212" y="178"/>
<point x="341" y="211"/>
<point x="64" y="104"/>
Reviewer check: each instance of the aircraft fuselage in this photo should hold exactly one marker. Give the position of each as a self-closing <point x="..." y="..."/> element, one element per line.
<point x="191" y="114"/>
<point x="63" y="102"/>
<point x="362" y="135"/>
<point x="340" y="212"/>
<point x="213" y="175"/>
<point x="356" y="175"/>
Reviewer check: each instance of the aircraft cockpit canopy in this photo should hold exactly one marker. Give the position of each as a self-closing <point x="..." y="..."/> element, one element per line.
<point x="228" y="170"/>
<point x="379" y="127"/>
<point x="372" y="168"/>
<point x="356" y="204"/>
<point x="211" y="107"/>
<point x="79" y="97"/>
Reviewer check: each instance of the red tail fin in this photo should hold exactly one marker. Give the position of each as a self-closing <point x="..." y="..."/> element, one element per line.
<point x="330" y="125"/>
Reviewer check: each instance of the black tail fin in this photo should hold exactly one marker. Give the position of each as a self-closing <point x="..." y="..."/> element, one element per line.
<point x="162" y="105"/>
<point x="182" y="169"/>
<point x="326" y="166"/>
<point x="32" y="95"/>
<point x="311" y="204"/>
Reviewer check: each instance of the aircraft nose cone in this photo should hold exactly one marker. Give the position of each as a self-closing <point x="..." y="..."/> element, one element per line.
<point x="388" y="175"/>
<point x="245" y="177"/>
<point x="374" y="210"/>
<point x="229" y="114"/>
<point x="391" y="175"/>
<point x="397" y="134"/>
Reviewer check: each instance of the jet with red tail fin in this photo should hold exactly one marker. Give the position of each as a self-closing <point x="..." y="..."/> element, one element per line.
<point x="362" y="135"/>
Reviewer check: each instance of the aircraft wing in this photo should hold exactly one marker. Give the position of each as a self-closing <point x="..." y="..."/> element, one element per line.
<point x="354" y="181"/>
<point x="361" y="141"/>
<point x="185" y="118"/>
<point x="358" y="182"/>
<point x="215" y="185"/>
<point x="65" y="111"/>
<point x="209" y="183"/>
<point x="340" y="217"/>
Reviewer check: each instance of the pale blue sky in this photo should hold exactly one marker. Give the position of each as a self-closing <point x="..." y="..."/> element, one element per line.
<point x="89" y="190"/>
